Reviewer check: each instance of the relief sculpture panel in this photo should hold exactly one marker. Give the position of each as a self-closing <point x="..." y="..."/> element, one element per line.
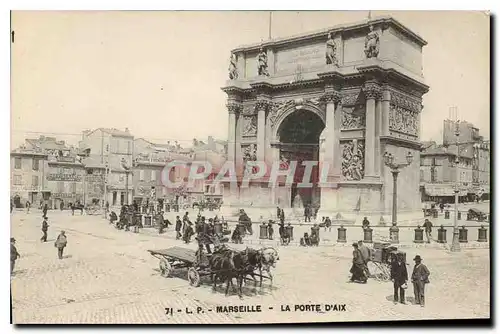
<point x="353" y="117"/>
<point x="403" y="120"/>
<point x="249" y="125"/>
<point x="353" y="160"/>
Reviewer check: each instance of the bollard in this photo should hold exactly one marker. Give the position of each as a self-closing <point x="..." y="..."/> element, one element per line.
<point x="394" y="233"/>
<point x="263" y="231"/>
<point x="434" y="214"/>
<point x="419" y="235"/>
<point x="462" y="234"/>
<point x="447" y="214"/>
<point x="289" y="229"/>
<point x="481" y="234"/>
<point x="147" y="221"/>
<point x="341" y="234"/>
<point x="218" y="228"/>
<point x="367" y="235"/>
<point x="459" y="216"/>
<point x="441" y="235"/>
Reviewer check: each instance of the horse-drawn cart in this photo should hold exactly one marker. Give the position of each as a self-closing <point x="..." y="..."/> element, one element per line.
<point x="382" y="256"/>
<point x="251" y="263"/>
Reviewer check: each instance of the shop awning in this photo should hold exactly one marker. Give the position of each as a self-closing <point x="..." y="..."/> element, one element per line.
<point x="443" y="190"/>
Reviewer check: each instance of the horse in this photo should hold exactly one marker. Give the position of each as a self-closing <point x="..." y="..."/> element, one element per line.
<point x="262" y="260"/>
<point x="226" y="264"/>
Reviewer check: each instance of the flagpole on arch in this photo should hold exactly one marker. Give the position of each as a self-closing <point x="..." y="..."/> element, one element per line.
<point x="270" y="22"/>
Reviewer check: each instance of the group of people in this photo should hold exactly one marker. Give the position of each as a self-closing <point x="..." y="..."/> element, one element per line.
<point x="204" y="229"/>
<point x="311" y="239"/>
<point x="399" y="274"/>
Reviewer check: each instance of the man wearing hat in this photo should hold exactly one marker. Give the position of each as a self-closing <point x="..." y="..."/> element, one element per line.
<point x="419" y="278"/>
<point x="399" y="276"/>
<point x="45" y="228"/>
<point x="60" y="243"/>
<point x="14" y="255"/>
<point x="428" y="230"/>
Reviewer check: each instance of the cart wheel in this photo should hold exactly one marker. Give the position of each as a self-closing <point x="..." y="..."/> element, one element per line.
<point x="193" y="277"/>
<point x="165" y="268"/>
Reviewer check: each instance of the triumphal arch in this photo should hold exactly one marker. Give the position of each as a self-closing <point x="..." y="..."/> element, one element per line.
<point x="342" y="96"/>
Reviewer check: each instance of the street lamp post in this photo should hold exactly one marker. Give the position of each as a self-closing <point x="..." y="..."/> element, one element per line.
<point x="395" y="169"/>
<point x="455" y="246"/>
<point x="126" y="167"/>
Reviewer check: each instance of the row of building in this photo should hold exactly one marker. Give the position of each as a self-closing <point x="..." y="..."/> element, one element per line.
<point x="438" y="172"/>
<point x="108" y="165"/>
<point x="46" y="170"/>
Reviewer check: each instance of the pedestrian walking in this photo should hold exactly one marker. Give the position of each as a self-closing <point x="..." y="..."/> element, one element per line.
<point x="44" y="210"/>
<point x="14" y="255"/>
<point x="358" y="266"/>
<point x="307" y="214"/>
<point x="178" y="227"/>
<point x="278" y="212"/>
<point x="45" y="228"/>
<point x="365" y="252"/>
<point x="28" y="206"/>
<point x="419" y="278"/>
<point x="270" y="230"/>
<point x="61" y="205"/>
<point x="61" y="243"/>
<point x="428" y="230"/>
<point x="399" y="276"/>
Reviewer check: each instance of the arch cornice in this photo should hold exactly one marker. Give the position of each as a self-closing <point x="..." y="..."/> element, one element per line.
<point x="281" y="110"/>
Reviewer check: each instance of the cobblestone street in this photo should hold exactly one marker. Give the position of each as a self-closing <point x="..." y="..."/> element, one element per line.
<point x="107" y="276"/>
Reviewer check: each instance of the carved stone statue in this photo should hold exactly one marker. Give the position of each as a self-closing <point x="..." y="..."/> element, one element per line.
<point x="233" y="71"/>
<point x="331" y="51"/>
<point x="297" y="203"/>
<point x="353" y="161"/>
<point x="250" y="153"/>
<point x="262" y="63"/>
<point x="250" y="126"/>
<point x="372" y="42"/>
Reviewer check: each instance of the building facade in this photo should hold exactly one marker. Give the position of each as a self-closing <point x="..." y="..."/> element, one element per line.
<point x="347" y="95"/>
<point x="112" y="148"/>
<point x="28" y="181"/>
<point x="65" y="181"/>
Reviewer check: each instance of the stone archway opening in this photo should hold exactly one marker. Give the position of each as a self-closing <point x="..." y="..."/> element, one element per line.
<point x="299" y="136"/>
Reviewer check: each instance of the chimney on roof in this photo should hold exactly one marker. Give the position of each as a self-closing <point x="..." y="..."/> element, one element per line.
<point x="126" y="130"/>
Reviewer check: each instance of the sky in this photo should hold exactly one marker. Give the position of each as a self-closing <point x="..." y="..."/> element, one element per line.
<point x="160" y="73"/>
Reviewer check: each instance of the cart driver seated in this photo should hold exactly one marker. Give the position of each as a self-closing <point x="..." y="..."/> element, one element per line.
<point x="236" y="237"/>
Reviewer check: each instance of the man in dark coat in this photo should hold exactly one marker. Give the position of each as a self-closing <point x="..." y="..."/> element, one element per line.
<point x="328" y="224"/>
<point x="14" y="255"/>
<point x="44" y="210"/>
<point x="365" y="252"/>
<point x="60" y="244"/>
<point x="178" y="227"/>
<point x="45" y="228"/>
<point x="307" y="213"/>
<point x="419" y="278"/>
<point x="358" y="266"/>
<point x="270" y="230"/>
<point x="188" y="233"/>
<point x="278" y="212"/>
<point x="428" y="230"/>
<point x="399" y="276"/>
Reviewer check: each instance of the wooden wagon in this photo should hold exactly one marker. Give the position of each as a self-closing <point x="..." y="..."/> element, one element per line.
<point x="197" y="264"/>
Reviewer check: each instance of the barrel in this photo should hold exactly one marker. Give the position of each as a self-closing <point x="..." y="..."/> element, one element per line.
<point x="394" y="233"/>
<point x="441" y="235"/>
<point x="263" y="231"/>
<point x="341" y="234"/>
<point x="481" y="234"/>
<point x="367" y="235"/>
<point x="462" y="234"/>
<point x="419" y="235"/>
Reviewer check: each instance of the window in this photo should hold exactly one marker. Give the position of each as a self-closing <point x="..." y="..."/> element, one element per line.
<point x="34" y="181"/>
<point x="153" y="175"/>
<point x="35" y="164"/>
<point x="18" y="180"/>
<point x="18" y="163"/>
<point x="73" y="188"/>
<point x="421" y="175"/>
<point x="141" y="175"/>
<point x="207" y="189"/>
<point x="67" y="171"/>
<point x="433" y="174"/>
